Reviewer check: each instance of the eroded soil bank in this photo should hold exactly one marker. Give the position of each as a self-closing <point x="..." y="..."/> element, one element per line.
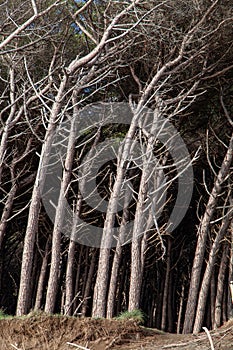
<point x="66" y="333"/>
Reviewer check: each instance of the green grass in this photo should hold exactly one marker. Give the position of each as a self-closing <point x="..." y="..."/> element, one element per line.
<point x="3" y="315"/>
<point x="135" y="315"/>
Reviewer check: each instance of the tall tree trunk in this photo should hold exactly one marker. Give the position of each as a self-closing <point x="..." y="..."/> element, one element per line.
<point x="202" y="237"/>
<point x="34" y="210"/>
<point x="220" y="286"/>
<point x="41" y="281"/>
<point x="77" y="277"/>
<point x="101" y="285"/>
<point x="230" y="276"/>
<point x="87" y="290"/>
<point x="69" y="282"/>
<point x="178" y="329"/>
<point x="170" y="306"/>
<point x="117" y="257"/>
<point x="59" y="217"/>
<point x="7" y="211"/>
<point x="166" y="287"/>
<point x="140" y="225"/>
<point x="200" y="312"/>
<point x="212" y="296"/>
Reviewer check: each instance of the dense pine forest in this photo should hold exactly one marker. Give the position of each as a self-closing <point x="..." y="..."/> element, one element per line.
<point x="116" y="171"/>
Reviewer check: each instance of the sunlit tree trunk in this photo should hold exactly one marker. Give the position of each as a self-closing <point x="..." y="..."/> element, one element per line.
<point x="202" y="237"/>
<point x="117" y="257"/>
<point x="205" y="285"/>
<point x="59" y="217"/>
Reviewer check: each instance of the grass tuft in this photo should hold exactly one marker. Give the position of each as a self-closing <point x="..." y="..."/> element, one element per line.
<point x="135" y="315"/>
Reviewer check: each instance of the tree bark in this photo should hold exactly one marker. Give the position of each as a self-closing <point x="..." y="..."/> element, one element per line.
<point x="87" y="290"/>
<point x="202" y="237"/>
<point x="117" y="257"/>
<point x="34" y="210"/>
<point x="220" y="286"/>
<point x="212" y="296"/>
<point x="59" y="217"/>
<point x="178" y="329"/>
<point x="41" y="281"/>
<point x="166" y="287"/>
<point x="69" y="282"/>
<point x="200" y="312"/>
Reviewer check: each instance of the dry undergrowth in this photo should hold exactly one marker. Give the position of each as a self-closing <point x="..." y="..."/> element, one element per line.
<point x="44" y="332"/>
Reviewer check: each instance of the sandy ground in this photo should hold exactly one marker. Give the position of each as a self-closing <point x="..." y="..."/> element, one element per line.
<point x="67" y="333"/>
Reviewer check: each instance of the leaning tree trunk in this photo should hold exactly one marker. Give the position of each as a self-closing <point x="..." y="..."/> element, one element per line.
<point x="212" y="296"/>
<point x="221" y="286"/>
<point x="230" y="276"/>
<point x="101" y="285"/>
<point x="202" y="237"/>
<point x="56" y="236"/>
<point x="117" y="257"/>
<point x="200" y="312"/>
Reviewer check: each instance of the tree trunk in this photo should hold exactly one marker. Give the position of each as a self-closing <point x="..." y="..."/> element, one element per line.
<point x="178" y="329"/>
<point x="34" y="210"/>
<point x="77" y="277"/>
<point x="41" y="281"/>
<point x="202" y="237"/>
<point x="59" y="217"/>
<point x="87" y="290"/>
<point x="7" y="212"/>
<point x="220" y="286"/>
<point x="200" y="312"/>
<point x="230" y="277"/>
<point x="117" y="257"/>
<point x="140" y="224"/>
<point x="69" y="282"/>
<point x="101" y="285"/>
<point x="212" y="296"/>
<point x="166" y="287"/>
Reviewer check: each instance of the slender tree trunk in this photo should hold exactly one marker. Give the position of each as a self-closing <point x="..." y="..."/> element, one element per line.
<point x="56" y="237"/>
<point x="7" y="211"/>
<point x="41" y="281"/>
<point x="77" y="277"/>
<point x="11" y="120"/>
<point x="212" y="296"/>
<point x="170" y="306"/>
<point x="87" y="290"/>
<point x="166" y="287"/>
<point x="117" y="257"/>
<point x="202" y="237"/>
<point x="178" y="329"/>
<point x="34" y="210"/>
<point x="101" y="285"/>
<point x="138" y="243"/>
<point x="200" y="312"/>
<point x="230" y="276"/>
<point x="220" y="286"/>
<point x="224" y="307"/>
<point x="69" y="282"/>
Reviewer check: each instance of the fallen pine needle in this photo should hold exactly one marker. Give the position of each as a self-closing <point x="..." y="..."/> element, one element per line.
<point x="77" y="346"/>
<point x="209" y="337"/>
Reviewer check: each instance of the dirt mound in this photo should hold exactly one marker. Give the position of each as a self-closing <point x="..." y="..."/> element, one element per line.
<point x="44" y="332"/>
<point x="54" y="332"/>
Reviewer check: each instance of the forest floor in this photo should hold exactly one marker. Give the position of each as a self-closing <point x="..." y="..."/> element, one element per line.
<point x="66" y="333"/>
